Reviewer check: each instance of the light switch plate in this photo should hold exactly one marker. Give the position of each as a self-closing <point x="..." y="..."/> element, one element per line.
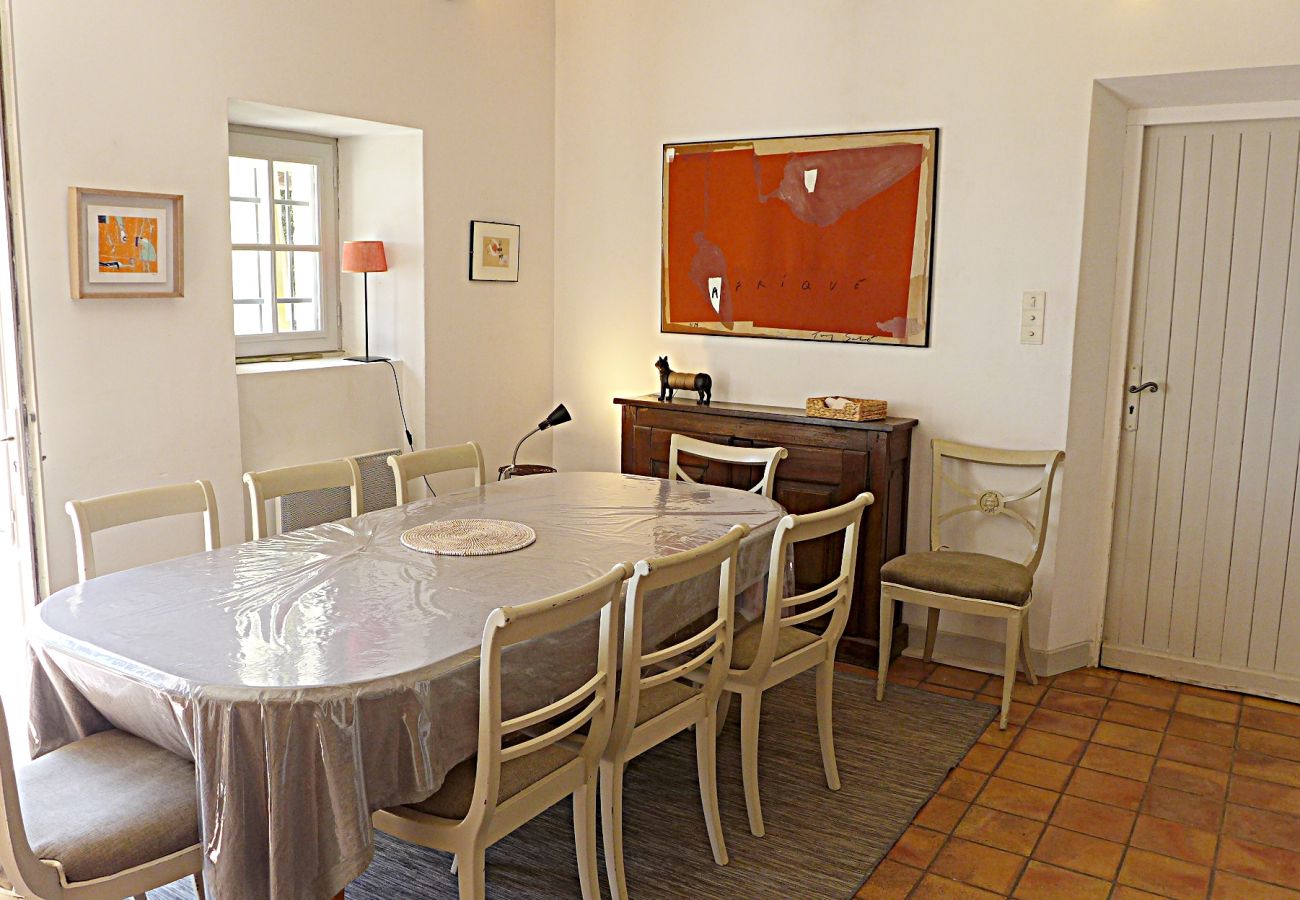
<point x="1033" y="300"/>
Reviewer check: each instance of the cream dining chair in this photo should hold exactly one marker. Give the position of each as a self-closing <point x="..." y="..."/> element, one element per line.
<point x="112" y="510"/>
<point x="422" y="463"/>
<point x="975" y="583"/>
<point x="106" y="817"/>
<point x="654" y="705"/>
<point x="775" y="649"/>
<point x="767" y="457"/>
<point x="505" y="785"/>
<point x="271" y="484"/>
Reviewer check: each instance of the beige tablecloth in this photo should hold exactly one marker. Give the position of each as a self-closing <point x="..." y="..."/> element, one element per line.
<point x="319" y="675"/>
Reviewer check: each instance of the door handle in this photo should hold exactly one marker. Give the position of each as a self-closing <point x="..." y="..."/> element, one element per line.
<point x="1145" y="386"/>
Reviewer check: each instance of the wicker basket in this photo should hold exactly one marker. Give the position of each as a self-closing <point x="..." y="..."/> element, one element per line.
<point x="855" y="410"/>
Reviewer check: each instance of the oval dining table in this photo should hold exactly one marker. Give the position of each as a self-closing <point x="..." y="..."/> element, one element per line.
<point x="318" y="675"/>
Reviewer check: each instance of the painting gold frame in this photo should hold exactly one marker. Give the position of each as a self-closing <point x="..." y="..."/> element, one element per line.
<point x="168" y="283"/>
<point x="720" y="260"/>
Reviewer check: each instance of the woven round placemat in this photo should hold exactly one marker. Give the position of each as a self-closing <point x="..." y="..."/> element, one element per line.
<point x="468" y="537"/>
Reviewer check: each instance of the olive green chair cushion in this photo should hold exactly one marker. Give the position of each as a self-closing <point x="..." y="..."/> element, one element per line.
<point x="976" y="575"/>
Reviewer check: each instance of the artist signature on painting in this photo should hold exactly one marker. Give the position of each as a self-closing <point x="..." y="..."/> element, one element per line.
<point x="844" y="338"/>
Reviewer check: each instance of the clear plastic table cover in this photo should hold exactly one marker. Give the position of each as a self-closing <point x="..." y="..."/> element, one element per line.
<point x="318" y="675"/>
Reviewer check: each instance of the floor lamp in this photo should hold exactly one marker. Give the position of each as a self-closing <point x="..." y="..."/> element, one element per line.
<point x="365" y="257"/>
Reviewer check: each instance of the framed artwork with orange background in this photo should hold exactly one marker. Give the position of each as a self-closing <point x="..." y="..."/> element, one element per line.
<point x="125" y="244"/>
<point x="822" y="238"/>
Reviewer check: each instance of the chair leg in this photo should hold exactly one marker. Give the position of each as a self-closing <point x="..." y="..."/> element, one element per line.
<point x="886" y="637"/>
<point x="750" y="710"/>
<point x="931" y="632"/>
<point x="724" y="707"/>
<point x="1024" y="650"/>
<point x="584" y="838"/>
<point x="455" y="862"/>
<point x="825" y="730"/>
<point x="1009" y="670"/>
<point x="611" y="821"/>
<point x="198" y="886"/>
<point x="706" y="764"/>
<point x="472" y="875"/>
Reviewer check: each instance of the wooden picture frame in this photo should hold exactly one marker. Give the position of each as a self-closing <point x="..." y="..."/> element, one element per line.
<point x="813" y="237"/>
<point x="493" y="251"/>
<point x="125" y="244"/>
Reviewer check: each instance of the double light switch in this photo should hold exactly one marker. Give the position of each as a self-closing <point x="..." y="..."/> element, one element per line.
<point x="1033" y="309"/>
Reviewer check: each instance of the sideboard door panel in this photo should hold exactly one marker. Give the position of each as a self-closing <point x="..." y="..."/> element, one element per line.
<point x="830" y="463"/>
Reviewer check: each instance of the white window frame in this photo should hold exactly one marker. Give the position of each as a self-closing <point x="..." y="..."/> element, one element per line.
<point x="322" y="152"/>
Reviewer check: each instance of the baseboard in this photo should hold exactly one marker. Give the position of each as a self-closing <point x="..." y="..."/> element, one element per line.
<point x="1178" y="668"/>
<point x="986" y="655"/>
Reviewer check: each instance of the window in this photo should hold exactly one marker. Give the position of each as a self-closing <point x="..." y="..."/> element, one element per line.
<point x="283" y="240"/>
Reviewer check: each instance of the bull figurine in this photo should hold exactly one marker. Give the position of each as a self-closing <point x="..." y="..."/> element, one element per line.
<point x="670" y="381"/>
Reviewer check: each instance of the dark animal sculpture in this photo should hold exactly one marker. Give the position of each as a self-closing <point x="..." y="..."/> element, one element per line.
<point x="670" y="381"/>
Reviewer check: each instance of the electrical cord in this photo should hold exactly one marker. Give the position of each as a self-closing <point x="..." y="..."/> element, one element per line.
<point x="410" y="441"/>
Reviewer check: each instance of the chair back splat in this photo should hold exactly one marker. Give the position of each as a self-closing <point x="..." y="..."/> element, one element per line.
<point x="422" y="463"/>
<point x="112" y="510"/>
<point x="832" y="598"/>
<point x="270" y="484"/>
<point x="991" y="502"/>
<point x="767" y="457"/>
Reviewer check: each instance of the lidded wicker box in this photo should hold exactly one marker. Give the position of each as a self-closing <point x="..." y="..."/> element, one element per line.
<point x="850" y="409"/>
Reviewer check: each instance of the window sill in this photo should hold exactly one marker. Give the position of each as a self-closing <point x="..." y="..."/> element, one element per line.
<point x="298" y="365"/>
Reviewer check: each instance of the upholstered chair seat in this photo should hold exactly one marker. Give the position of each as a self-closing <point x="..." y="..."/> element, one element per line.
<point x="104" y="817"/>
<point x="976" y="575"/>
<point x="452" y="801"/>
<point x="788" y="640"/>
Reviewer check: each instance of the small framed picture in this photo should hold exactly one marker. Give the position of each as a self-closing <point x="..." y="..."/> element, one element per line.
<point x="493" y="251"/>
<point x="125" y="244"/>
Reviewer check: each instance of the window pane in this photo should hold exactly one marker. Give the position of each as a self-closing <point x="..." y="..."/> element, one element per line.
<point x="252" y="282"/>
<point x="297" y="290"/>
<point x="295" y="181"/>
<point x="248" y="208"/>
<point x="295" y="224"/>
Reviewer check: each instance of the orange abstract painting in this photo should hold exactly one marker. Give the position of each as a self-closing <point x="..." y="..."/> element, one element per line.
<point x="127" y="243"/>
<point x="815" y="238"/>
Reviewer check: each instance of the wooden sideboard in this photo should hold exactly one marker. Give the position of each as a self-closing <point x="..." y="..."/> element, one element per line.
<point x="830" y="462"/>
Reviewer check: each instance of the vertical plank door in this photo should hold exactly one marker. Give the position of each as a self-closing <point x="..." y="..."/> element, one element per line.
<point x="1205" y="565"/>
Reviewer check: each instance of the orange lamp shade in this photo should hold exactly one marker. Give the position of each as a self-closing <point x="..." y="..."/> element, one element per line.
<point x="364" y="256"/>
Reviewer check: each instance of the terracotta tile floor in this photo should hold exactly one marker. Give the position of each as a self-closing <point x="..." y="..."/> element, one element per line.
<point x="1107" y="784"/>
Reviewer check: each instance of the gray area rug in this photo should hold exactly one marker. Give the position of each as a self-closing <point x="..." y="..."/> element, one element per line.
<point x="892" y="758"/>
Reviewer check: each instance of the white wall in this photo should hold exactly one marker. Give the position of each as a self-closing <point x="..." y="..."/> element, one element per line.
<point x="142" y="392"/>
<point x="1009" y="82"/>
<point x="291" y="416"/>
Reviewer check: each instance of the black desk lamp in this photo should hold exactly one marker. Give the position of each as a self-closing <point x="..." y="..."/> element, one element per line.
<point x="558" y="416"/>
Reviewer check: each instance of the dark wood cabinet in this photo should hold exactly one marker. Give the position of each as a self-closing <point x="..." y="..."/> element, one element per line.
<point x="830" y="462"/>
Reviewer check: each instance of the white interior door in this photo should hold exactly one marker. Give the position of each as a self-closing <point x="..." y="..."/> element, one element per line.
<point x="18" y="579"/>
<point x="1205" y="571"/>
